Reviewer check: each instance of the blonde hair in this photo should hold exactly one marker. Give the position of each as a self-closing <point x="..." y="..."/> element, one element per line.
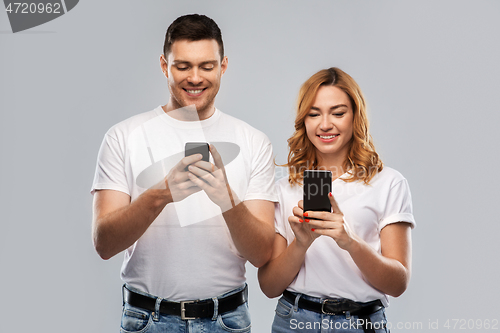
<point x="362" y="159"/>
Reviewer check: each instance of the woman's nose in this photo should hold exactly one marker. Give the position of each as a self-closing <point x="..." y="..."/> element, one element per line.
<point x="326" y="124"/>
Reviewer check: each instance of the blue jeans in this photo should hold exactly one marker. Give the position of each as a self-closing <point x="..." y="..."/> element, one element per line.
<point x="290" y="318"/>
<point x="136" y="320"/>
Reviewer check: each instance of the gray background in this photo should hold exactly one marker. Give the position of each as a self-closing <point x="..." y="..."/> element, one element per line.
<point x="429" y="70"/>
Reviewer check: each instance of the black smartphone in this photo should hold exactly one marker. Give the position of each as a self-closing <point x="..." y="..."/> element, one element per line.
<point x="192" y="148"/>
<point x="317" y="185"/>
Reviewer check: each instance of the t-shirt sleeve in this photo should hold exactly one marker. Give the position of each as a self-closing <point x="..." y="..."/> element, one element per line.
<point x="261" y="185"/>
<point x="398" y="207"/>
<point x="110" y="169"/>
<point x="278" y="220"/>
<point x="281" y="224"/>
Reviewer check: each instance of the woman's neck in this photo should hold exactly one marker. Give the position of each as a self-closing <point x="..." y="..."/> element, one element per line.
<point x="335" y="164"/>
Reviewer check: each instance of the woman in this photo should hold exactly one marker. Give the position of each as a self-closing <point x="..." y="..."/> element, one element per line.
<point x="335" y="269"/>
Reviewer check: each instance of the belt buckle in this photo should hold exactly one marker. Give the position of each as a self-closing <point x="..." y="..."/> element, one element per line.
<point x="183" y="310"/>
<point x="323" y="307"/>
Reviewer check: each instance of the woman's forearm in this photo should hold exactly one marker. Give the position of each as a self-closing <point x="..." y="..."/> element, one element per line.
<point x="388" y="272"/>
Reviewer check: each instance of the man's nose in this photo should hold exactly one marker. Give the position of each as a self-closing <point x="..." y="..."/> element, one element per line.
<point x="194" y="76"/>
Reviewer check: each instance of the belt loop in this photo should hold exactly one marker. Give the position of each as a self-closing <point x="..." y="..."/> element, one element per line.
<point x="216" y="308"/>
<point x="348" y="315"/>
<point x="296" y="305"/>
<point x="156" y="314"/>
<point x="123" y="295"/>
<point x="245" y="292"/>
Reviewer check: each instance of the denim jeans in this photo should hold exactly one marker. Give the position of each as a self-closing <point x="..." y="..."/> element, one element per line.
<point x="290" y="318"/>
<point x="136" y="320"/>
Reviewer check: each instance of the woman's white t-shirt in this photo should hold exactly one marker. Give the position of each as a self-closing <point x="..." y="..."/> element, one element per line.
<point x="329" y="271"/>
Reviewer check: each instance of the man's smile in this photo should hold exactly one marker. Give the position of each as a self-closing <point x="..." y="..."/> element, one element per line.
<point x="194" y="92"/>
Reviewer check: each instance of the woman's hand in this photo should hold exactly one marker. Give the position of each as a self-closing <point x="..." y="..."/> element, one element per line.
<point x="332" y="225"/>
<point x="303" y="234"/>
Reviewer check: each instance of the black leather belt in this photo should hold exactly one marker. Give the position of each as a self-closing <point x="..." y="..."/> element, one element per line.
<point x="335" y="306"/>
<point x="187" y="309"/>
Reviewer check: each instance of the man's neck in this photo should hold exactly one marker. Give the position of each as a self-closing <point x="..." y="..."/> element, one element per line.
<point x="188" y="113"/>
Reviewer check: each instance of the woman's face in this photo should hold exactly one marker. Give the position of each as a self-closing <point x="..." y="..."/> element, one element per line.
<point x="329" y="123"/>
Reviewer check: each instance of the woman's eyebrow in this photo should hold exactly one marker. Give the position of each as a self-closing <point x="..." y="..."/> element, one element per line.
<point x="338" y="106"/>
<point x="332" y="108"/>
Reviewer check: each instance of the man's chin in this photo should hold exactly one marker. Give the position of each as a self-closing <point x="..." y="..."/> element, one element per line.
<point x="202" y="107"/>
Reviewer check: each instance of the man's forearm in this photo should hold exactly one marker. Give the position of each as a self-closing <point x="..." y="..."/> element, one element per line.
<point x="279" y="272"/>
<point x="253" y="237"/>
<point x="117" y="230"/>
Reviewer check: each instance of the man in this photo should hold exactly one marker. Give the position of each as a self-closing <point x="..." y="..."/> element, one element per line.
<point x="188" y="233"/>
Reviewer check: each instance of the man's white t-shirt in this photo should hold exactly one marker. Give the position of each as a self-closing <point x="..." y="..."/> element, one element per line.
<point x="187" y="252"/>
<point x="329" y="271"/>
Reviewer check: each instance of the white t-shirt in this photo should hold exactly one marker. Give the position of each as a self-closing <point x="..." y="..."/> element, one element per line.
<point x="328" y="270"/>
<point x="187" y="252"/>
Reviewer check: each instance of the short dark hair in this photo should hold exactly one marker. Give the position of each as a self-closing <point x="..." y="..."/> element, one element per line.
<point x="193" y="27"/>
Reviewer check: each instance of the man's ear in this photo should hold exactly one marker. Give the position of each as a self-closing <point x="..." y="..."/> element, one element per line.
<point x="164" y="65"/>
<point x="223" y="65"/>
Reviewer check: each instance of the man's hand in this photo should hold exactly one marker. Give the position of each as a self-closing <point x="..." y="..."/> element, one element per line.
<point x="118" y="222"/>
<point x="177" y="181"/>
<point x="250" y="223"/>
<point x="213" y="180"/>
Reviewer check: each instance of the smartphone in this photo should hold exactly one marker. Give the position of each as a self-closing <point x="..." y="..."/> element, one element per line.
<point x="317" y="185"/>
<point x="192" y="148"/>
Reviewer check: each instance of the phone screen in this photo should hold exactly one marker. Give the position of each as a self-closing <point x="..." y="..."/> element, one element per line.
<point x="192" y="148"/>
<point x="317" y="185"/>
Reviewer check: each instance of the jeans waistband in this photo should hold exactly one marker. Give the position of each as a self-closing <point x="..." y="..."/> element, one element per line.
<point x="190" y="309"/>
<point x="332" y="306"/>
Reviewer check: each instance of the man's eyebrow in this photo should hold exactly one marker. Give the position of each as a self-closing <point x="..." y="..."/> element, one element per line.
<point x="332" y="108"/>
<point x="208" y="62"/>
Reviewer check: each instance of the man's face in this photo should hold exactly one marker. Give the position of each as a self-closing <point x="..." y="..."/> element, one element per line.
<point x="194" y="70"/>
